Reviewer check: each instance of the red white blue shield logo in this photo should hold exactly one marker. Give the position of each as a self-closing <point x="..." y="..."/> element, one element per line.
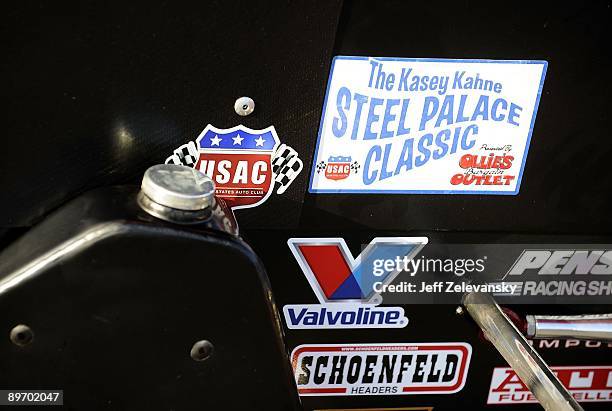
<point x="245" y="164"/>
<point x="239" y="160"/>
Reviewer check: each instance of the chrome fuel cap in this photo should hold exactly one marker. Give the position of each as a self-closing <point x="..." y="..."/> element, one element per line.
<point x="176" y="193"/>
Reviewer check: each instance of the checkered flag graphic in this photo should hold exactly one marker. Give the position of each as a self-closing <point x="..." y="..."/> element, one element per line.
<point x="185" y="155"/>
<point x="320" y="166"/>
<point x="355" y="167"/>
<point x="285" y="166"/>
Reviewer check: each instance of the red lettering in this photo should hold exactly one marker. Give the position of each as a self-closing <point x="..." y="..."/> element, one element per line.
<point x="488" y="180"/>
<point x="510" y="379"/>
<point x="486" y="162"/>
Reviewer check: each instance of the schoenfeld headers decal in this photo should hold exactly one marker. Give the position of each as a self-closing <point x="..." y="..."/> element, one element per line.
<point x="381" y="369"/>
<point x="245" y="164"/>
<point x="394" y="125"/>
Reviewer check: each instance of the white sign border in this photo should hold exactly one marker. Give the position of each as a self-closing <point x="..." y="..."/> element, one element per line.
<point x="430" y="60"/>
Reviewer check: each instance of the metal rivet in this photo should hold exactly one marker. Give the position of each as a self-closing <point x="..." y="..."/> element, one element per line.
<point x="22" y="335"/>
<point x="244" y="106"/>
<point x="202" y="350"/>
<point x="459" y="310"/>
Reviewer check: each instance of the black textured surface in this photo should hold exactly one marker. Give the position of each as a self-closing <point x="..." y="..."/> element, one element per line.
<point x="97" y="92"/>
<point x="115" y="318"/>
<point x="427" y="323"/>
<point x="566" y="182"/>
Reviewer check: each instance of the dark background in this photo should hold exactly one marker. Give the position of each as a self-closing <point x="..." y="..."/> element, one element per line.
<point x="96" y="93"/>
<point x="566" y="182"/>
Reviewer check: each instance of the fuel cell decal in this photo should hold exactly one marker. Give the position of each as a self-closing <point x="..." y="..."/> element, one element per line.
<point x="426" y="126"/>
<point x="585" y="383"/>
<point x="381" y="369"/>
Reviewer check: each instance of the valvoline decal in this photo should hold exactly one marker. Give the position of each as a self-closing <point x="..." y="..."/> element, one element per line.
<point x="426" y="126"/>
<point x="344" y="286"/>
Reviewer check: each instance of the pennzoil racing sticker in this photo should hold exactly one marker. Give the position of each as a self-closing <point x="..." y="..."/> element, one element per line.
<point x="381" y="369"/>
<point x="585" y="383"/>
<point x="399" y="125"/>
<point x="245" y="164"/>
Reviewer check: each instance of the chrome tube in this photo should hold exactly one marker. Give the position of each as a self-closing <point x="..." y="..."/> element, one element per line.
<point x="578" y="327"/>
<point x="515" y="349"/>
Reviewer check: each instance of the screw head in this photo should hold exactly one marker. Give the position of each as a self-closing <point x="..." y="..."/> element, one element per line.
<point x="244" y="106"/>
<point x="21" y="335"/>
<point x="202" y="350"/>
<point x="459" y="310"/>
